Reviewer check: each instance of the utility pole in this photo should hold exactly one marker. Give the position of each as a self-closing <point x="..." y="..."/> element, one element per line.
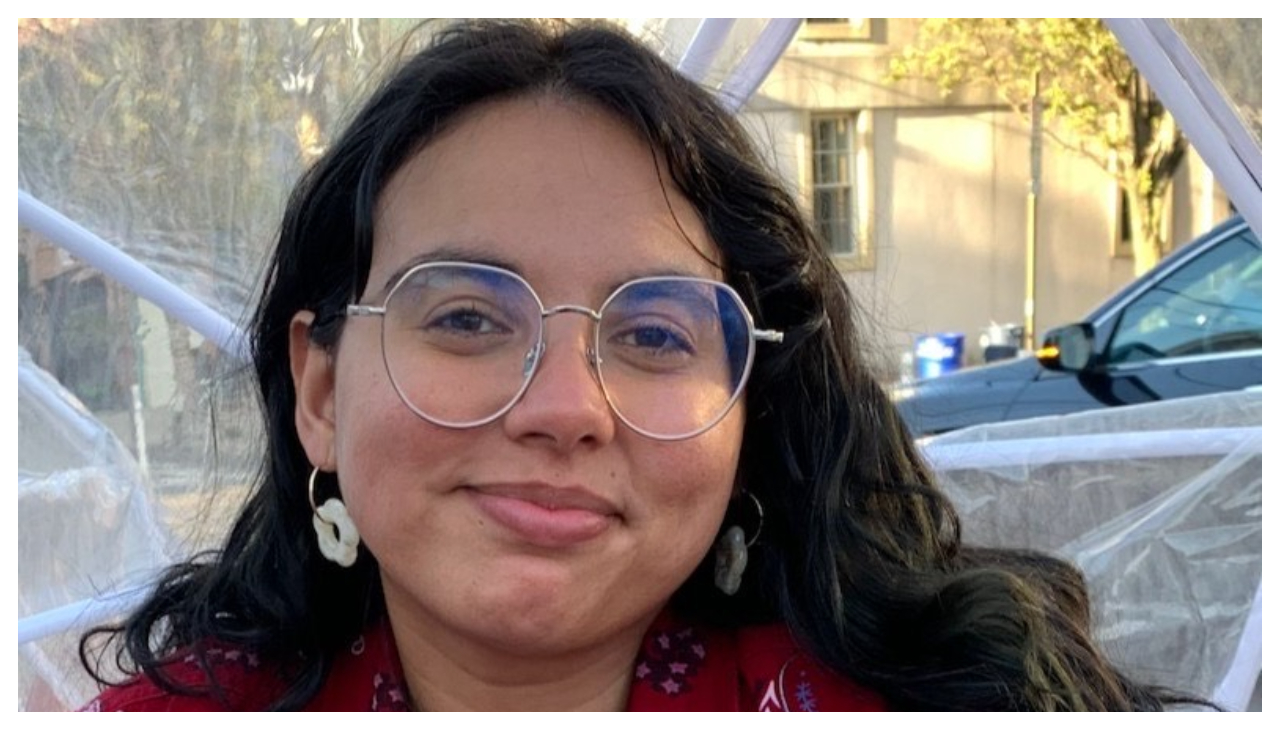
<point x="1033" y="192"/>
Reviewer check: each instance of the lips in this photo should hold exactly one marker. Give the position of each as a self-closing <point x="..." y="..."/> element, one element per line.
<point x="543" y="515"/>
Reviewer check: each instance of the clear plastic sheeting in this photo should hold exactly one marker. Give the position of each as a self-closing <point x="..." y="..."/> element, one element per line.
<point x="1208" y="73"/>
<point x="707" y="50"/>
<point x="87" y="525"/>
<point x="1230" y="51"/>
<point x="178" y="140"/>
<point x="730" y="56"/>
<point x="1159" y="504"/>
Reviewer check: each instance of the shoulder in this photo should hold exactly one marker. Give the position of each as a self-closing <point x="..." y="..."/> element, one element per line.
<point x="364" y="675"/>
<point x="779" y="676"/>
<point x="230" y="679"/>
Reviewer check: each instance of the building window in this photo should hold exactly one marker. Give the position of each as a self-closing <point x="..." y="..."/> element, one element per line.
<point x="841" y="184"/>
<point x="842" y="29"/>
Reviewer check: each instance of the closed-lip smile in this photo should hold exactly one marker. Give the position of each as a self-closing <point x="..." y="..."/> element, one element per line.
<point x="545" y="515"/>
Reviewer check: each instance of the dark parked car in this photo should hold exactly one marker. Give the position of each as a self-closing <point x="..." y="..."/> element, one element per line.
<point x="1190" y="326"/>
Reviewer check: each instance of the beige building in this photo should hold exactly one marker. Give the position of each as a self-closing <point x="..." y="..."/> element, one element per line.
<point x="923" y="200"/>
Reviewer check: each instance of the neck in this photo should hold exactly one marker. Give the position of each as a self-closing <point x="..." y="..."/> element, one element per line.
<point x="445" y="672"/>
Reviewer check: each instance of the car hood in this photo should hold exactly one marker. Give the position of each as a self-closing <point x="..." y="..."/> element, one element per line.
<point x="969" y="396"/>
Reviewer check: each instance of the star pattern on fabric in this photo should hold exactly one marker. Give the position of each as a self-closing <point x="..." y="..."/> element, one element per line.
<point x="761" y="668"/>
<point x="805" y="699"/>
<point x="388" y="696"/>
<point x="670" y="659"/>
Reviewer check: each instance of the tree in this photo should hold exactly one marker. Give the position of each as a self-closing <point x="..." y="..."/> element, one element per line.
<point x="1103" y="108"/>
<point x="175" y="140"/>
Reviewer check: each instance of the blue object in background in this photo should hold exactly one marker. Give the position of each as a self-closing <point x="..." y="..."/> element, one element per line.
<point x="938" y="354"/>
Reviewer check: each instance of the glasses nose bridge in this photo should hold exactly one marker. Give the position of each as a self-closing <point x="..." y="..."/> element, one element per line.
<point x="587" y="312"/>
<point x="578" y="309"/>
<point x="540" y="348"/>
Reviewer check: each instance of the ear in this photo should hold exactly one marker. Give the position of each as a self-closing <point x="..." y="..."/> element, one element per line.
<point x="312" y="369"/>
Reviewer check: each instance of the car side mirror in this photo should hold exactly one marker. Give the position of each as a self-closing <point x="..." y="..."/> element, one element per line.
<point x="1068" y="349"/>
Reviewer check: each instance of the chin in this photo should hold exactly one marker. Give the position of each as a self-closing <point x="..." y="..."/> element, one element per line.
<point x="540" y="631"/>
<point x="537" y="615"/>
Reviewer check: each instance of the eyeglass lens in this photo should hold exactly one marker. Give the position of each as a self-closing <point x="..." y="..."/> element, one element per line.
<point x="461" y="343"/>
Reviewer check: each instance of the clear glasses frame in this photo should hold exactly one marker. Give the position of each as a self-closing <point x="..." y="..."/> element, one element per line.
<point x="534" y="357"/>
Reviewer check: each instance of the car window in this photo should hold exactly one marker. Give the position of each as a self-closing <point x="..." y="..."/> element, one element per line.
<point x="1211" y="304"/>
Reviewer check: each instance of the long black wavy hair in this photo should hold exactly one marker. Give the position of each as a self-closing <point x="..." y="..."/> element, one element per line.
<point x="860" y="554"/>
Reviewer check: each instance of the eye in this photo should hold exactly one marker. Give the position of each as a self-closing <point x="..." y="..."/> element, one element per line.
<point x="654" y="338"/>
<point x="467" y="320"/>
<point x="651" y="346"/>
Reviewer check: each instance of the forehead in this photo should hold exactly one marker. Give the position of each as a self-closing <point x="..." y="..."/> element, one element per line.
<point x="560" y="191"/>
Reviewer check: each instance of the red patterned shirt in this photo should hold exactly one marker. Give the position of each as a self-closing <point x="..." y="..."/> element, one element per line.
<point x="680" y="667"/>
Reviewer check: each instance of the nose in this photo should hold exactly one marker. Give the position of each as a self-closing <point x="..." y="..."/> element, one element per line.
<point x="564" y="406"/>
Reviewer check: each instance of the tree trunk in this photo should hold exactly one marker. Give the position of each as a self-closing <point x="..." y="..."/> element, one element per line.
<point x="1158" y="150"/>
<point x="1146" y="228"/>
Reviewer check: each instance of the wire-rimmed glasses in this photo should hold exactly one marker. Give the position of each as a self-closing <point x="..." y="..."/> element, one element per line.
<point x="462" y="342"/>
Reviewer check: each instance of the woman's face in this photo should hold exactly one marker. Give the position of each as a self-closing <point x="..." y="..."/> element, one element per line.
<point x="555" y="526"/>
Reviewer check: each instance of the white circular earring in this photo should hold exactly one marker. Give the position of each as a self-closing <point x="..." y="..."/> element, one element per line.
<point x="731" y="552"/>
<point x="335" y="532"/>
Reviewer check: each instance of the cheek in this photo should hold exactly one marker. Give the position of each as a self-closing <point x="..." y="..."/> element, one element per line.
<point x="396" y="471"/>
<point x="695" y="480"/>
<point x="382" y="452"/>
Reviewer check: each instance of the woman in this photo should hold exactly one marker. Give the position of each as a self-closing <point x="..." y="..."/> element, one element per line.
<point x="566" y="410"/>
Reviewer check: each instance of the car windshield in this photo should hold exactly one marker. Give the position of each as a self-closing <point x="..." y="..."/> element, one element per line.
<point x="1212" y="304"/>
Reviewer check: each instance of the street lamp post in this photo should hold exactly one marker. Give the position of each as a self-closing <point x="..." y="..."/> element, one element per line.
<point x="1033" y="192"/>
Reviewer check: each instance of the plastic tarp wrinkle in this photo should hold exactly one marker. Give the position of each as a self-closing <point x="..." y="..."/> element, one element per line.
<point x="1166" y="525"/>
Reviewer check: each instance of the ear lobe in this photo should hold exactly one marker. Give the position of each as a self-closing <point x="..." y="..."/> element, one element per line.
<point x="312" y="369"/>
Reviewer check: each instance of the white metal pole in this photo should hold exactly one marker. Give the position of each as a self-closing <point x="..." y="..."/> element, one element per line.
<point x="701" y="53"/>
<point x="758" y="62"/>
<point x="120" y="266"/>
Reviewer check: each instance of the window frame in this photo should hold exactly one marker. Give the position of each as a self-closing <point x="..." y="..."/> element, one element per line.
<point x="859" y="185"/>
<point x="858" y="30"/>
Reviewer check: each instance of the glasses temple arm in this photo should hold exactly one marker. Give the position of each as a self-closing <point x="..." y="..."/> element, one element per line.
<point x="767" y="335"/>
<point x="364" y="310"/>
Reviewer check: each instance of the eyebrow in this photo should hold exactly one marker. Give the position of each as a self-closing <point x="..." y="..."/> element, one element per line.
<point x="648" y="273"/>
<point x="463" y="254"/>
<point x="449" y="253"/>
